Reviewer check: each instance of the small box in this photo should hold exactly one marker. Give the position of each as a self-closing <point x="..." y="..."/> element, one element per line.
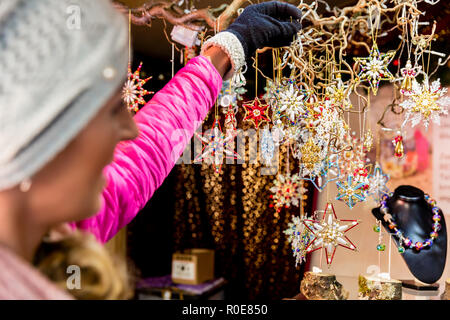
<point x="193" y="266"/>
<point x="184" y="36"/>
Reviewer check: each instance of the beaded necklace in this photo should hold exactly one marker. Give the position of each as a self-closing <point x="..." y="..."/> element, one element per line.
<point x="406" y="242"/>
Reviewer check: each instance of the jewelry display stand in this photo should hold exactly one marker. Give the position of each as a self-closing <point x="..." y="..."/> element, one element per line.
<point x="413" y="215"/>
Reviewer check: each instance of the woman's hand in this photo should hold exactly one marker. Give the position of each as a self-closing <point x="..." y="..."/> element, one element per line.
<point x="269" y="24"/>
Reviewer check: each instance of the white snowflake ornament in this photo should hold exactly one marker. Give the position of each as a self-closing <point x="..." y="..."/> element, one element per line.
<point x="426" y="102"/>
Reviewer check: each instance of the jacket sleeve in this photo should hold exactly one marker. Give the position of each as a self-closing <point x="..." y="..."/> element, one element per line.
<point x="166" y="124"/>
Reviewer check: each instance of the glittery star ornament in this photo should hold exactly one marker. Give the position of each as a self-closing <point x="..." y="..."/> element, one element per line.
<point x="256" y="112"/>
<point x="377" y="183"/>
<point x="299" y="237"/>
<point x="375" y="67"/>
<point x="426" y="102"/>
<point x="329" y="233"/>
<point x="350" y="191"/>
<point x="133" y="92"/>
<point x="287" y="190"/>
<point x="215" y="147"/>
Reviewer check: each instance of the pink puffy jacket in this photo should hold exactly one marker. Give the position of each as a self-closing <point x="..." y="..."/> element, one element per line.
<point x="166" y="125"/>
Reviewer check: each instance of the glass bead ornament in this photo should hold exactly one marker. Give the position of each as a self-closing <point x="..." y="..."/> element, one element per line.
<point x="361" y="175"/>
<point x="398" y="146"/>
<point x="426" y="103"/>
<point x="353" y="156"/>
<point x="350" y="191"/>
<point x="230" y="94"/>
<point x="311" y="158"/>
<point x="339" y="93"/>
<point x="133" y="92"/>
<point x="256" y="112"/>
<point x="409" y="74"/>
<point x="377" y="228"/>
<point x="299" y="237"/>
<point x="377" y="183"/>
<point x="267" y="146"/>
<point x="287" y="190"/>
<point x="230" y="122"/>
<point x="215" y="148"/>
<point x="290" y="101"/>
<point x="375" y="67"/>
<point x="287" y="105"/>
<point x="329" y="233"/>
<point x="368" y="140"/>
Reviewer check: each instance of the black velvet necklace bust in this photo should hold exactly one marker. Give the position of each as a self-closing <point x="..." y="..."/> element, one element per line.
<point x="413" y="217"/>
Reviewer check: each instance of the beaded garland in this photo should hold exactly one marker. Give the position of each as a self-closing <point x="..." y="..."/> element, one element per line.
<point x="406" y="243"/>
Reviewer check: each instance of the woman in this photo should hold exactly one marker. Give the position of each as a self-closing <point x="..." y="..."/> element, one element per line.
<point x="68" y="146"/>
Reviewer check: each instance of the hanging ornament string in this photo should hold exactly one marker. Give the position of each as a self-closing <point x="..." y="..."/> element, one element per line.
<point x="288" y="169"/>
<point x="389" y="257"/>
<point x="133" y="91"/>
<point x="378" y="149"/>
<point x="377" y="20"/>
<point x="256" y="74"/>
<point x="380" y="244"/>
<point x="129" y="38"/>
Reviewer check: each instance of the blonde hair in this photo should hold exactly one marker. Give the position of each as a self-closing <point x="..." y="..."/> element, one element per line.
<point x="103" y="276"/>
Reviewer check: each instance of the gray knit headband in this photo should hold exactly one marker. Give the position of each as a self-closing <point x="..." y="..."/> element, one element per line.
<point x="60" y="61"/>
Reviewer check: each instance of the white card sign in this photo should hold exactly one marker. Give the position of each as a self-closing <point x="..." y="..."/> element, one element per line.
<point x="183" y="270"/>
<point x="441" y="164"/>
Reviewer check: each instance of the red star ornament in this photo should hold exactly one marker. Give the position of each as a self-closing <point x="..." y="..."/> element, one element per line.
<point x="256" y="112"/>
<point x="329" y="233"/>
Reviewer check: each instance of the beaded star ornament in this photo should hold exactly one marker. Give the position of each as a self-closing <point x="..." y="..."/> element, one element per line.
<point x="329" y="233"/>
<point x="375" y="67"/>
<point x="133" y="92"/>
<point x="215" y="147"/>
<point x="351" y="191"/>
<point x="287" y="190"/>
<point x="290" y="101"/>
<point x="256" y="112"/>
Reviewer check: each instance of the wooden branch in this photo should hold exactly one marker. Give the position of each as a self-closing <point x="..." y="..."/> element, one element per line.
<point x="162" y="10"/>
<point x="194" y="20"/>
<point x="226" y="17"/>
